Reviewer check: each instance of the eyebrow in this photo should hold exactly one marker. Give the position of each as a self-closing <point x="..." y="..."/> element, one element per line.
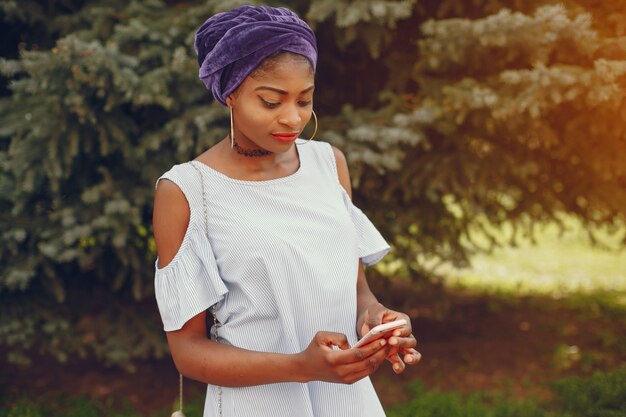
<point x="283" y="92"/>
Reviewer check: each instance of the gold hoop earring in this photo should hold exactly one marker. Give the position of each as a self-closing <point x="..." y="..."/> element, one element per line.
<point x="314" y="130"/>
<point x="232" y="129"/>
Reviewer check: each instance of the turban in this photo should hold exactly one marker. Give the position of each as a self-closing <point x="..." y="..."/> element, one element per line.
<point x="230" y="45"/>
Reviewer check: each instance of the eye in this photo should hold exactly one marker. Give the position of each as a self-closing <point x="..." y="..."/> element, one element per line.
<point x="268" y="104"/>
<point x="304" y="103"/>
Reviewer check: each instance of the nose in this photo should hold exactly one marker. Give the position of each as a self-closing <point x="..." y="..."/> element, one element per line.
<point x="290" y="116"/>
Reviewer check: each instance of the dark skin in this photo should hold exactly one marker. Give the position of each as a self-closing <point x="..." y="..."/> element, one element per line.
<point x="278" y="102"/>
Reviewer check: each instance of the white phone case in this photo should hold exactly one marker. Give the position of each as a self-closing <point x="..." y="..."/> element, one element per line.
<point x="379" y="331"/>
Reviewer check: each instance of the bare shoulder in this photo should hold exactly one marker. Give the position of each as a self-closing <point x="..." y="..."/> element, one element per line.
<point x="170" y="219"/>
<point x="342" y="170"/>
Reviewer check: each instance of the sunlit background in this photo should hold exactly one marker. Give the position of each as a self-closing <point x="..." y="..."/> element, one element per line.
<point x="486" y="140"/>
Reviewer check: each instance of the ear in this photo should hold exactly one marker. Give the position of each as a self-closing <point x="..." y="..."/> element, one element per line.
<point x="230" y="100"/>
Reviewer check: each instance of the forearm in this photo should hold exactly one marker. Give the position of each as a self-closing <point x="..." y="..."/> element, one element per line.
<point x="364" y="299"/>
<point x="215" y="363"/>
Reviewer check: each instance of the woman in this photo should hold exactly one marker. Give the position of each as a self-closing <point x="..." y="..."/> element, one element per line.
<point x="261" y="226"/>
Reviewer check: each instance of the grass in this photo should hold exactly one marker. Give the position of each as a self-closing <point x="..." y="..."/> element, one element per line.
<point x="66" y="407"/>
<point x="601" y="395"/>
<point x="78" y="406"/>
<point x="558" y="265"/>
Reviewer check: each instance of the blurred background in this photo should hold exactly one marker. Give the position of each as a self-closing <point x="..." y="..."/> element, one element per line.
<point x="486" y="139"/>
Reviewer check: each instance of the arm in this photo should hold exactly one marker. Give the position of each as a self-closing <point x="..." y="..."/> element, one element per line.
<point x="210" y="362"/>
<point x="369" y="311"/>
<point x="365" y="297"/>
<point x="365" y="300"/>
<point x="205" y="360"/>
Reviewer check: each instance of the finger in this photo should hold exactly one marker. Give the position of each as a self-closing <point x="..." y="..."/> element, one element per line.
<point x="409" y="351"/>
<point x="396" y="363"/>
<point x="411" y="356"/>
<point x="374" y="315"/>
<point x="357" y="376"/>
<point x="405" y="330"/>
<point x="331" y="339"/>
<point x="403" y="342"/>
<point x="367" y="366"/>
<point x="365" y="327"/>
<point x="358" y="354"/>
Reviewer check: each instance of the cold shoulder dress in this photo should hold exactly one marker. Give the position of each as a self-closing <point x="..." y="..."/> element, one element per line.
<point x="280" y="263"/>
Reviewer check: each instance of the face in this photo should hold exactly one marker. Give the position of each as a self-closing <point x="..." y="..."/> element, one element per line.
<point x="272" y="109"/>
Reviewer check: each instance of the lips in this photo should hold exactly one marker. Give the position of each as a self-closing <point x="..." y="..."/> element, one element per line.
<point x="285" y="137"/>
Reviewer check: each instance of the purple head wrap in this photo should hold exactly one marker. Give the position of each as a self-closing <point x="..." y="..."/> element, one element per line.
<point x="230" y="45"/>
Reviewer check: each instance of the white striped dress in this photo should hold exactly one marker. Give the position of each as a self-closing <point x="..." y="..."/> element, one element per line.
<point x="281" y="262"/>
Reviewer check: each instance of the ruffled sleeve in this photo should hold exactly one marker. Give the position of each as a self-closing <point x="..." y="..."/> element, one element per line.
<point x="371" y="244"/>
<point x="190" y="283"/>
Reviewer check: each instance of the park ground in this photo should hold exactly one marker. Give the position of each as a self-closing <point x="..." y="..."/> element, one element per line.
<point x="518" y="320"/>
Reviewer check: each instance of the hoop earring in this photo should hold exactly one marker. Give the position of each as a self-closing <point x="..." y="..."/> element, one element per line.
<point x="314" y="130"/>
<point x="232" y="130"/>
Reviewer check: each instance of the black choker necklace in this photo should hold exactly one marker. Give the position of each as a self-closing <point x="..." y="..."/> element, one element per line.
<point x="247" y="152"/>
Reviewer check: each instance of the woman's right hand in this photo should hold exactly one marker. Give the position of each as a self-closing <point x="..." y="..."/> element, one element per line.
<point x="322" y="362"/>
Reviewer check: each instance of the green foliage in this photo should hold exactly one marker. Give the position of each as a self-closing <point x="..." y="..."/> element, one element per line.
<point x="601" y="395"/>
<point x="560" y="263"/>
<point x="66" y="407"/>
<point x="450" y="404"/>
<point x="24" y="409"/>
<point x="516" y="119"/>
<point x="371" y="21"/>
<point x="90" y="124"/>
<point x="483" y="117"/>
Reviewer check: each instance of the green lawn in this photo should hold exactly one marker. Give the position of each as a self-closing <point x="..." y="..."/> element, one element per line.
<point x="557" y="265"/>
<point x="602" y="394"/>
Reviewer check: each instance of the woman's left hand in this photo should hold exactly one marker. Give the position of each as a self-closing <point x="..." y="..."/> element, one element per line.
<point x="402" y="341"/>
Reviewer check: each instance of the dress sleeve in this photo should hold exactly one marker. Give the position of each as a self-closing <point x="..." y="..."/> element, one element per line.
<point x="371" y="244"/>
<point x="190" y="283"/>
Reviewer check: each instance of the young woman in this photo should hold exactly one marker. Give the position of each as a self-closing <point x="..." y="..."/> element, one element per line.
<point x="261" y="227"/>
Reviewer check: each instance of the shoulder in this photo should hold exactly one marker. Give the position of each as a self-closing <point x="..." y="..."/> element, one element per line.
<point x="168" y="194"/>
<point x="171" y="187"/>
<point x="170" y="219"/>
<point x="342" y="169"/>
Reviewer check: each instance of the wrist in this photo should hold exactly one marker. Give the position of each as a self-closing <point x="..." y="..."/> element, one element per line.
<point x="296" y="366"/>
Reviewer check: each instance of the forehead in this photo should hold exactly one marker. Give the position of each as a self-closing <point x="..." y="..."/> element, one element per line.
<point x="283" y="72"/>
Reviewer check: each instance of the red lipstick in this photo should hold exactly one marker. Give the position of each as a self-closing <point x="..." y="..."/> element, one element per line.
<point x="285" y="137"/>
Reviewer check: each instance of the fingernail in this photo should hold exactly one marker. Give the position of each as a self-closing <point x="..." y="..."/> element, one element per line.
<point x="383" y="342"/>
<point x="393" y="341"/>
<point x="396" y="367"/>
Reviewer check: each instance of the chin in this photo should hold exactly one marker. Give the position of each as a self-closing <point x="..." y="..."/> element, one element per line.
<point x="279" y="147"/>
<point x="284" y="147"/>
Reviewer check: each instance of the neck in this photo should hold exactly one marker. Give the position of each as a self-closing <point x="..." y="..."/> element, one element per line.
<point x="257" y="163"/>
<point x="251" y="153"/>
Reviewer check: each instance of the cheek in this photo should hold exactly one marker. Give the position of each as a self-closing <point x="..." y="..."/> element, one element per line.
<point x="307" y="112"/>
<point x="252" y="119"/>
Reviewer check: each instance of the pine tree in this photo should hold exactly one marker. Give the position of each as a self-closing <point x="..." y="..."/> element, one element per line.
<point x="91" y="123"/>
<point x="515" y="118"/>
<point x="453" y="115"/>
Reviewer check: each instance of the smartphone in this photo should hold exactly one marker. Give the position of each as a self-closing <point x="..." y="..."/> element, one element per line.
<point x="380" y="331"/>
